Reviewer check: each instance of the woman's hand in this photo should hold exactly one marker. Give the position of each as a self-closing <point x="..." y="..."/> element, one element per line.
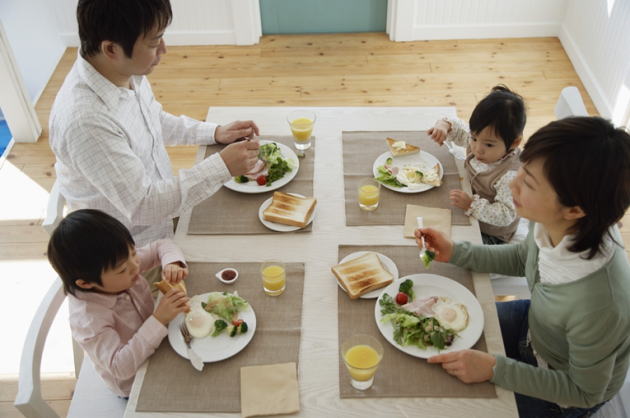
<point x="437" y="242"/>
<point x="174" y="272"/>
<point x="469" y="366"/>
<point x="171" y="304"/>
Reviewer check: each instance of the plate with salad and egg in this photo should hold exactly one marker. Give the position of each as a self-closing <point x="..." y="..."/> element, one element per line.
<point x="221" y="324"/>
<point x="277" y="165"/>
<point x="408" y="173"/>
<point x="427" y="314"/>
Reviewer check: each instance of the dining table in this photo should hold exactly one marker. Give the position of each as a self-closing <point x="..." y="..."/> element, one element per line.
<point x="318" y="366"/>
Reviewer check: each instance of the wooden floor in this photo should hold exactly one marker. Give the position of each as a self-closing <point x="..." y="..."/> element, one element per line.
<point x="307" y="70"/>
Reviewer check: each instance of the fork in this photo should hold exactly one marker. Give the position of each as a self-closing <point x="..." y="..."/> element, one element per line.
<point x="194" y="357"/>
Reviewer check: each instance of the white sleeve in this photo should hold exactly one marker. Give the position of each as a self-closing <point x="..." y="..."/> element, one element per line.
<point x="459" y="133"/>
<point x="500" y="213"/>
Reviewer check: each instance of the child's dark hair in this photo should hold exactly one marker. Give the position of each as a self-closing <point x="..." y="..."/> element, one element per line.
<point x="119" y="21"/>
<point x="587" y="162"/>
<point x="85" y="244"/>
<point x="502" y="109"/>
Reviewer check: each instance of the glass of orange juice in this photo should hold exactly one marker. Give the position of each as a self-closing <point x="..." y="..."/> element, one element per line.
<point x="301" y="123"/>
<point x="362" y="355"/>
<point x="369" y="192"/>
<point x="274" y="278"/>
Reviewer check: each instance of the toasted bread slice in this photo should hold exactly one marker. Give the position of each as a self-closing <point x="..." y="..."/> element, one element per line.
<point x="399" y="148"/>
<point x="432" y="176"/>
<point x="362" y="274"/>
<point x="291" y="210"/>
<point x="165" y="286"/>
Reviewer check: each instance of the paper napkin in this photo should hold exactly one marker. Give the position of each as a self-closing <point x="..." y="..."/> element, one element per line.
<point x="437" y="218"/>
<point x="269" y="390"/>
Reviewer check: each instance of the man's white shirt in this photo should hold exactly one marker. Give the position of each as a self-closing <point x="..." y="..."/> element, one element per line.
<point x="110" y="147"/>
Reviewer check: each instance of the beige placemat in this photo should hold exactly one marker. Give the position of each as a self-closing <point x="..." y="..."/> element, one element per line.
<point x="360" y="149"/>
<point x="399" y="374"/>
<point x="171" y="384"/>
<point x="269" y="390"/>
<point x="231" y="213"/>
<point x="437" y="218"/>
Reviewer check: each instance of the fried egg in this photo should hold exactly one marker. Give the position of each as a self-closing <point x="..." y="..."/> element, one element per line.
<point x="200" y="323"/>
<point x="409" y="175"/>
<point x="450" y="314"/>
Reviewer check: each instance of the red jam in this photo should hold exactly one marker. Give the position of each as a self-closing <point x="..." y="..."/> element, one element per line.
<point x="228" y="275"/>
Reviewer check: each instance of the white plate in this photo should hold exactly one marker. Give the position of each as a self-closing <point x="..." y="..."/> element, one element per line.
<point x="209" y="348"/>
<point x="276" y="226"/>
<point x="253" y="187"/>
<point x="426" y="285"/>
<point x="422" y="158"/>
<point x="387" y="262"/>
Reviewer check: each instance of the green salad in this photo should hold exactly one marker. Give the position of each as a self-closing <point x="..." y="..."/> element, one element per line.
<point x="226" y="306"/>
<point x="412" y="329"/>
<point x="385" y="175"/>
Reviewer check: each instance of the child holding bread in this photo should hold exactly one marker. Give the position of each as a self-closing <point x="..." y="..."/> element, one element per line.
<point x="112" y="312"/>
<point x="492" y="137"/>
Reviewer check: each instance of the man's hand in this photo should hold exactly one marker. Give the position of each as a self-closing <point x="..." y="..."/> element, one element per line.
<point x="469" y="366"/>
<point x="240" y="157"/>
<point x="226" y="134"/>
<point x="460" y="199"/>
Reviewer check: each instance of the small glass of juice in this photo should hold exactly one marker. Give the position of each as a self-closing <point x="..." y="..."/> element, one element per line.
<point x="362" y="355"/>
<point x="369" y="192"/>
<point x="301" y="123"/>
<point x="273" y="277"/>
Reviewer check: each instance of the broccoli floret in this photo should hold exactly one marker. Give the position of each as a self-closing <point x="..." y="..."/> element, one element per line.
<point x="241" y="179"/>
<point x="244" y="327"/>
<point x="406" y="287"/>
<point x="219" y="326"/>
<point x="427" y="257"/>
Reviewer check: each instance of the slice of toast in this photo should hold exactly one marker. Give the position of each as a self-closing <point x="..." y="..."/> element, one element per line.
<point x="362" y="274"/>
<point x="432" y="176"/>
<point x="398" y="148"/>
<point x="291" y="210"/>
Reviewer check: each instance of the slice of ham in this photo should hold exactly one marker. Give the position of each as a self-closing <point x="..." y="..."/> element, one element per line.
<point x="422" y="307"/>
<point x="260" y="168"/>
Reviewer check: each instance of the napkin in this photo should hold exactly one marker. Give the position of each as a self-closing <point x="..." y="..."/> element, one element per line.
<point x="437" y="218"/>
<point x="269" y="390"/>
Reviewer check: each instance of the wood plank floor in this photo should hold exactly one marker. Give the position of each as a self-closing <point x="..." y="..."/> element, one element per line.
<point x="294" y="70"/>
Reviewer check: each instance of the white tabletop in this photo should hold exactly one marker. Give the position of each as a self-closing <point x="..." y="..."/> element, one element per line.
<point x="319" y="350"/>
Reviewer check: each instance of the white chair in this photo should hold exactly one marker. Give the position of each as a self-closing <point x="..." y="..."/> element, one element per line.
<point x="91" y="397"/>
<point x="54" y="209"/>
<point x="570" y="103"/>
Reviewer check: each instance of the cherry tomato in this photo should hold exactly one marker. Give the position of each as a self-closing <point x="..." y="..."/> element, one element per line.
<point x="402" y="298"/>
<point x="262" y="179"/>
<point x="237" y="322"/>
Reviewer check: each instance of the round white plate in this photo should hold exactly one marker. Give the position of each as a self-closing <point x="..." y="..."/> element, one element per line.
<point x="274" y="226"/>
<point x="253" y="187"/>
<point x="209" y="348"/>
<point x="422" y="158"/>
<point x="387" y="262"/>
<point x="426" y="285"/>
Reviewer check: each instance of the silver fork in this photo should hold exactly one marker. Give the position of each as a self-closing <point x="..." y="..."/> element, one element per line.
<point x="194" y="357"/>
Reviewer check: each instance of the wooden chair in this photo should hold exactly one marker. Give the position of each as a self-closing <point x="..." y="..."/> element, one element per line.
<point x="54" y="209"/>
<point x="91" y="397"/>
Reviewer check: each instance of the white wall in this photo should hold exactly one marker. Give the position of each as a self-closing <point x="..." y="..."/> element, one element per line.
<point x="596" y="36"/>
<point x="34" y="38"/>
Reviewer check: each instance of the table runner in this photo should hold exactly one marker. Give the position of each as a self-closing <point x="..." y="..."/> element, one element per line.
<point x="171" y="384"/>
<point x="230" y="213"/>
<point x="360" y="149"/>
<point x="399" y="374"/>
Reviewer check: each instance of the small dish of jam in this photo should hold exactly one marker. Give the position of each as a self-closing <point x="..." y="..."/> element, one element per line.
<point x="227" y="275"/>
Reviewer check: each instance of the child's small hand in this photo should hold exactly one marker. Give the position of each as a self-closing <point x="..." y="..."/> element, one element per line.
<point x="460" y="199"/>
<point x="439" y="132"/>
<point x="170" y="305"/>
<point x="435" y="241"/>
<point x="174" y="272"/>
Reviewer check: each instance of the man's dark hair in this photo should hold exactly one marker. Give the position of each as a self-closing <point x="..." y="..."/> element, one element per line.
<point x="119" y="21"/>
<point x="503" y="110"/>
<point x="587" y="162"/>
<point x="86" y="243"/>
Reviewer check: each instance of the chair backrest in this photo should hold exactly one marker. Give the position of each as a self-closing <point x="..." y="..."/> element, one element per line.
<point x="570" y="103"/>
<point x="29" y="397"/>
<point x="54" y="209"/>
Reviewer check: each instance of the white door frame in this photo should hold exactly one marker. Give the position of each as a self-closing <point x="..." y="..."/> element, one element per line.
<point x="18" y="110"/>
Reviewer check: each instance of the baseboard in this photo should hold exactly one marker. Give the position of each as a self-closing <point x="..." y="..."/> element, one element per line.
<point x="583" y="70"/>
<point x="210" y="37"/>
<point x="485" y="31"/>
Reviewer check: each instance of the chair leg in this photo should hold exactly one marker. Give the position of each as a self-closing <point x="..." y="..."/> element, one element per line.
<point x="78" y="357"/>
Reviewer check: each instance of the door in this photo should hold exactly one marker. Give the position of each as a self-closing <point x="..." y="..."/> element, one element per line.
<point x="323" y="16"/>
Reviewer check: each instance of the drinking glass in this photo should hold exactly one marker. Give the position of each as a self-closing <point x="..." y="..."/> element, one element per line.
<point x="362" y="354"/>
<point x="369" y="192"/>
<point x="301" y="123"/>
<point x="273" y="277"/>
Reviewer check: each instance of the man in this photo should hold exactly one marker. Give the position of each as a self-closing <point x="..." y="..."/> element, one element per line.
<point x="109" y="133"/>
